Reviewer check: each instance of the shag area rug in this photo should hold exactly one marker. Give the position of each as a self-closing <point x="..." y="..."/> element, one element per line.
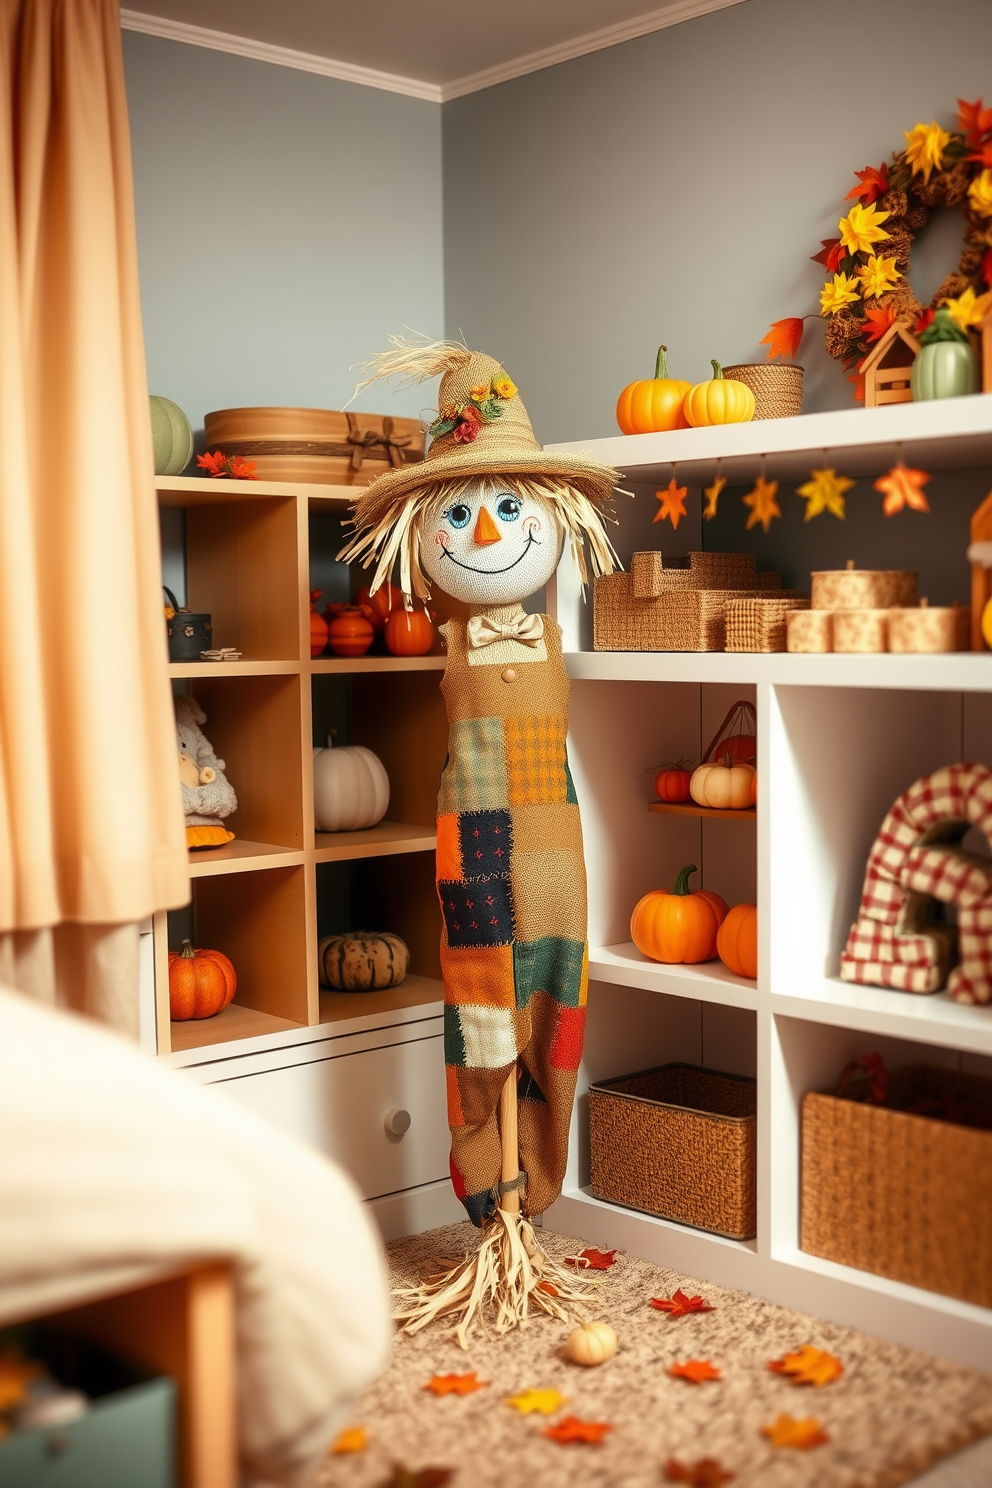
<point x="891" y="1413"/>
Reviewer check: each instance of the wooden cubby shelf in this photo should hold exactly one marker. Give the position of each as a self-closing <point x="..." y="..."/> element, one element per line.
<point x="240" y="856"/>
<point x="190" y="670"/>
<point x="710" y="981"/>
<point x="426" y="993"/>
<point x="685" y="808"/>
<point x="356" y="665"/>
<point x="933" y="1018"/>
<point x="380" y="841"/>
<point x="235" y="1022"/>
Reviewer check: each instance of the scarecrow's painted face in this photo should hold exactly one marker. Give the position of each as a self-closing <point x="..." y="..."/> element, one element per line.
<point x="491" y="546"/>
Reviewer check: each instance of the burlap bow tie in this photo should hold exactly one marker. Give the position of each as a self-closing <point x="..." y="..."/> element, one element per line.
<point x="483" y="630"/>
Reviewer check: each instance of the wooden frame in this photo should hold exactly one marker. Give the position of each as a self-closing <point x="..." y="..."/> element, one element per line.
<point x="887" y="368"/>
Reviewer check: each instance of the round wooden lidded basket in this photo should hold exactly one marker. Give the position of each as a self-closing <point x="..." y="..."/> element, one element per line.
<point x="777" y="387"/>
<point x="316" y="444"/>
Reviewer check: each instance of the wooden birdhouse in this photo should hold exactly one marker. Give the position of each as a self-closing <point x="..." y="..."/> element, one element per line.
<point x="887" y="368"/>
<point x="980" y="558"/>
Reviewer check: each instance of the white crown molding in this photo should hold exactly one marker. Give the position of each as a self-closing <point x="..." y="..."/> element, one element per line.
<point x="368" y="77"/>
<point x="264" y="51"/>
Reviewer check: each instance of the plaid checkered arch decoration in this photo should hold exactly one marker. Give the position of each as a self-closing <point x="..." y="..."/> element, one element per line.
<point x="896" y="940"/>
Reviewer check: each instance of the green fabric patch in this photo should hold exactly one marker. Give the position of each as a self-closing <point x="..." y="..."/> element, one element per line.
<point x="552" y="965"/>
<point x="454" y="1043"/>
<point x="570" y="796"/>
<point x="474" y="778"/>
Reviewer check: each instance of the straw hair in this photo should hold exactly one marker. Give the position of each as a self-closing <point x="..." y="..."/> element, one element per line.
<point x="389" y="515"/>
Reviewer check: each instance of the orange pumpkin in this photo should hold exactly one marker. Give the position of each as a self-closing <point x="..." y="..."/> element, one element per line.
<point x="672" y="783"/>
<point x="654" y="404"/>
<point x="680" y="927"/>
<point x="754" y="789"/>
<point x="409" y="633"/>
<point x="737" y="941"/>
<point x="318" y="625"/>
<point x="378" y="607"/>
<point x="201" y="983"/>
<point x="349" y="633"/>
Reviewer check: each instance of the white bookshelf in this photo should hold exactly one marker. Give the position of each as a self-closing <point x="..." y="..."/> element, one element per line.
<point x="839" y="738"/>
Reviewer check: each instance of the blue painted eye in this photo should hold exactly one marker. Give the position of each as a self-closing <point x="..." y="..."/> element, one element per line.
<point x="458" y="515"/>
<point x="508" y="509"/>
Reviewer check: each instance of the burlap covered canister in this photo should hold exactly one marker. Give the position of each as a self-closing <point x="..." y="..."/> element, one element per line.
<point x="777" y="387"/>
<point x="930" y="629"/>
<point x="860" y="631"/>
<point x="853" y="588"/>
<point x="809" y="631"/>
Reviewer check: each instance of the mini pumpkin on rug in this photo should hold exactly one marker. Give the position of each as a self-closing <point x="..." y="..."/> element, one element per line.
<point x="485" y="518"/>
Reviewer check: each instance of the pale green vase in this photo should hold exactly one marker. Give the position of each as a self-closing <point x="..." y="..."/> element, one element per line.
<point x="172" y="437"/>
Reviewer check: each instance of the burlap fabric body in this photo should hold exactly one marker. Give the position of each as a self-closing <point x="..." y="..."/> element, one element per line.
<point x="511" y="882"/>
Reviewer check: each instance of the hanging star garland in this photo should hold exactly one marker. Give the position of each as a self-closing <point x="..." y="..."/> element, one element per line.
<point x="903" y="486"/>
<point x="764" y="507"/>
<point x="672" y="500"/>
<point x="824" y="491"/>
<point x="712" y="494"/>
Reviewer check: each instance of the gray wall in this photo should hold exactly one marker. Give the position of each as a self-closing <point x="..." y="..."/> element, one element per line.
<point x="287" y="223"/>
<point x="672" y="189"/>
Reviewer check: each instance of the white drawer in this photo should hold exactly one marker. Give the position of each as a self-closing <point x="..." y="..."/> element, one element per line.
<point x="340" y="1106"/>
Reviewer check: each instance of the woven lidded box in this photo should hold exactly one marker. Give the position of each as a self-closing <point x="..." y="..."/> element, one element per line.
<point x="316" y="444"/>
<point x="903" y="1189"/>
<point x="853" y="588"/>
<point x="677" y="1141"/>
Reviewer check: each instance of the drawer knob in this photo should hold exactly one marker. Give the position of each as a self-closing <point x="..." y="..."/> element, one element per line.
<point x="397" y="1121"/>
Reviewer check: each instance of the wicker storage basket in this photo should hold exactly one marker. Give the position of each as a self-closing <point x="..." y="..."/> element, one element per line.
<point x="676" y="606"/>
<point x="316" y="444"/>
<point x="679" y="1142"/>
<point x="759" y="624"/>
<point x="777" y="387"/>
<point x="900" y="1194"/>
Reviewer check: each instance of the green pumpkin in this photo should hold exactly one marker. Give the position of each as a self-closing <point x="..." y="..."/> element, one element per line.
<point x="946" y="366"/>
<point x="362" y="962"/>
<point x="172" y="437"/>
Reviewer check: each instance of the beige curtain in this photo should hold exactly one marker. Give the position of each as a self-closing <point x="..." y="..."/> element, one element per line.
<point x="91" y="824"/>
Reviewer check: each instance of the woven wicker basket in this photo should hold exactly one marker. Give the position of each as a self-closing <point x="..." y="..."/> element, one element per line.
<point x="777" y="387"/>
<point x="901" y="1195"/>
<point x="759" y="624"/>
<point x="675" y="605"/>
<point x="679" y="1142"/>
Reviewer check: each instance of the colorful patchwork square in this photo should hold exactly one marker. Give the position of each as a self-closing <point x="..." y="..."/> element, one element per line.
<point x="456" y="1115"/>
<point x="485" y="839"/>
<point x="482" y="974"/>
<point x="477" y="914"/>
<point x="535" y="760"/>
<point x="477" y="1099"/>
<point x="487" y="1036"/>
<point x="474" y="778"/>
<point x="566" y="1047"/>
<point x="449" y="856"/>
<point x="553" y="965"/>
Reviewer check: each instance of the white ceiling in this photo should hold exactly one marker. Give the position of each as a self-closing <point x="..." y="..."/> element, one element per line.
<point x="440" y="48"/>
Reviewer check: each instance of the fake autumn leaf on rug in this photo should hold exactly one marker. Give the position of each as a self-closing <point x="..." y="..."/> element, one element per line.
<point x="903" y="486"/>
<point x="808" y="1366"/>
<point x="355" y="1439"/>
<point x="786" y="1431"/>
<point x="696" y="1371"/>
<point x="763" y="506"/>
<point x="672" y="500"/>
<point x="455" y="1384"/>
<point x="679" y="1305"/>
<point x="824" y="491"/>
<point x="544" y="1402"/>
<point x="592" y="1260"/>
<point x="706" y="1473"/>
<point x="572" y="1429"/>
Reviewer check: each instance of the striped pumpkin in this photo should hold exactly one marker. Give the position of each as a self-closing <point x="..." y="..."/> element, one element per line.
<point x="362" y="962"/>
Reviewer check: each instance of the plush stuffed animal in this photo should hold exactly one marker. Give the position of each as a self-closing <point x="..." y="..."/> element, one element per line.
<point x="208" y="795"/>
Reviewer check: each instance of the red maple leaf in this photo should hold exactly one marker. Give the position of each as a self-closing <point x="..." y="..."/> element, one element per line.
<point x="695" y="1371"/>
<point x="455" y="1384"/>
<point x="878" y="322"/>
<point x="831" y="255"/>
<point x="783" y="337"/>
<point x="874" y="183"/>
<point x="987" y="267"/>
<point x="214" y="464"/>
<point x="983" y="155"/>
<point x="975" y="120"/>
<point x="571" y="1429"/>
<point x="706" y="1473"/>
<point x="858" y="378"/>
<point x="242" y="469"/>
<point x="922" y="321"/>
<point x="679" y="1305"/>
<point x="593" y="1260"/>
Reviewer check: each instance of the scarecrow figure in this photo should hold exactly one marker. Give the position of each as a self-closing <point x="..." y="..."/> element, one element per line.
<point x="485" y="518"/>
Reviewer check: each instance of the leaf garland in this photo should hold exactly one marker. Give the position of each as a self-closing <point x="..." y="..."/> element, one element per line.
<point x="712" y="494"/>
<point x="824" y="491"/>
<point x="902" y="486"/>
<point x="763" y="506"/>
<point x="672" y="500"/>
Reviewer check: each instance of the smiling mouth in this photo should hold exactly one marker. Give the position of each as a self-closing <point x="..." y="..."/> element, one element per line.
<point x="530" y="539"/>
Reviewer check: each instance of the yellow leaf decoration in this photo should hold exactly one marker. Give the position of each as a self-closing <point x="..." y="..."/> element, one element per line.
<point x="969" y="309"/>
<point x="546" y="1402"/>
<point x="824" y="491"/>
<point x="841" y="290"/>
<point x="355" y="1439"/>
<point x="764" y="507"/>
<point x="925" y="146"/>
<point x="672" y="500"/>
<point x="712" y="494"/>
<point x="980" y="194"/>
<point x="862" y="228"/>
<point x="878" y="276"/>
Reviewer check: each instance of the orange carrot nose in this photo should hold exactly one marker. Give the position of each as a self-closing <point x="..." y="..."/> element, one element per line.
<point x="486" y="530"/>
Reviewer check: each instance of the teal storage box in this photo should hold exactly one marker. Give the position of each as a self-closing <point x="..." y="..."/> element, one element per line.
<point x="127" y="1438"/>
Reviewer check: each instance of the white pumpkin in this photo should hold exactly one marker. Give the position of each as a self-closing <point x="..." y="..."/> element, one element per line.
<point x="724" y="786"/>
<point x="350" y="788"/>
<point x="591" y="1343"/>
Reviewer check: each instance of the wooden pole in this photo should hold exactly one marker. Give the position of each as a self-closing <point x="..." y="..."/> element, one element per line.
<point x="509" y="1143"/>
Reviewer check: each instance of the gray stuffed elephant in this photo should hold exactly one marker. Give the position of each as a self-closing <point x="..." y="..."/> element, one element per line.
<point x="208" y="795"/>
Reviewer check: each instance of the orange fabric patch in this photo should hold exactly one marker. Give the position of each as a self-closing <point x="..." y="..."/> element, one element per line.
<point x="456" y="1116"/>
<point x="480" y="975"/>
<point x="535" y="759"/>
<point x="449" y="854"/>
